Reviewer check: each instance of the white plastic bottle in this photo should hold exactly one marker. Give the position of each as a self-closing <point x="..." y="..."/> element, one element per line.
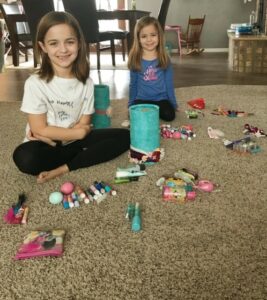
<point x="133" y="4"/>
<point x="252" y="18"/>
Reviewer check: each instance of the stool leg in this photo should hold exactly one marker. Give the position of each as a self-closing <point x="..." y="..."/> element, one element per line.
<point x="98" y="55"/>
<point x="179" y="41"/>
<point x="112" y="52"/>
<point x="123" y="49"/>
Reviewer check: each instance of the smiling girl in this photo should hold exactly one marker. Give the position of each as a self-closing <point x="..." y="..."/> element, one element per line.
<point x="151" y="75"/>
<point x="59" y="102"/>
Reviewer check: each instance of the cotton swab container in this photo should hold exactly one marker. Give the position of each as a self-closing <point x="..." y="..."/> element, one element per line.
<point x="101" y="117"/>
<point x="144" y="127"/>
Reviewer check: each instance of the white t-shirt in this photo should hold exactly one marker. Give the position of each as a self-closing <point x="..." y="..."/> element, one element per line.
<point x="63" y="100"/>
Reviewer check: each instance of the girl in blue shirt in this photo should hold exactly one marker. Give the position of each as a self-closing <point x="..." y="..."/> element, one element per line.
<point x="151" y="74"/>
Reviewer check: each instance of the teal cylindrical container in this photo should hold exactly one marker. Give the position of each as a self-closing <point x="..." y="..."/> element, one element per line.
<point x="144" y="128"/>
<point x="101" y="117"/>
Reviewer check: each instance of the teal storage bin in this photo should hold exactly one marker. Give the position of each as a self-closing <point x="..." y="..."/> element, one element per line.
<point x="168" y="47"/>
<point x="101" y="117"/>
<point x="145" y="128"/>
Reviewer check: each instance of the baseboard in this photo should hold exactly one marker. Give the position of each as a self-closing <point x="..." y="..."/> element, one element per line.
<point x="216" y="49"/>
<point x="207" y="50"/>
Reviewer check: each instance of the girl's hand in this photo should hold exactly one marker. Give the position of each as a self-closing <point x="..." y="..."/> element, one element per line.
<point x="30" y="136"/>
<point x="36" y="137"/>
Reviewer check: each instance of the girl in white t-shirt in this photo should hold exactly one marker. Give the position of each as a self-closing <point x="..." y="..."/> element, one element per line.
<point x="59" y="102"/>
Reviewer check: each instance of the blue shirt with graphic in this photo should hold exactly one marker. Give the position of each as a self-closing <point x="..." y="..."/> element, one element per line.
<point x="152" y="83"/>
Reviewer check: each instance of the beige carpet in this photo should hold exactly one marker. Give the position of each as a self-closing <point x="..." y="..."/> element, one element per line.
<point x="213" y="248"/>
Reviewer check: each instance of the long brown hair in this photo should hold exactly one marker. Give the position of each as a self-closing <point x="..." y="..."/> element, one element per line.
<point x="80" y="67"/>
<point x="135" y="55"/>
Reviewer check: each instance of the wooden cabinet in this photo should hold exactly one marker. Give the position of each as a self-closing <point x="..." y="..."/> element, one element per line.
<point x="248" y="53"/>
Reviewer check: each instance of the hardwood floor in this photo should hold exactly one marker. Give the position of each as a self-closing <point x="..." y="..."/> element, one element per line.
<point x="205" y="69"/>
<point x="209" y="69"/>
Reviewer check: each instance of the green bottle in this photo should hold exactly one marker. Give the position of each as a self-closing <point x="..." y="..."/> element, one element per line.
<point x="136" y="222"/>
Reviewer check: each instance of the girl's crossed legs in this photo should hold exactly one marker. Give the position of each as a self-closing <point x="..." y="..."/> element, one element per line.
<point x="47" y="162"/>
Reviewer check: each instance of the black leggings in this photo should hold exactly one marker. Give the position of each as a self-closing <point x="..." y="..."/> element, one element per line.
<point x="166" y="110"/>
<point x="98" y="146"/>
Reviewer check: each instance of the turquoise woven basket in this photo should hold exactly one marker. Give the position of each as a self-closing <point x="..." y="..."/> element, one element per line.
<point x="102" y="103"/>
<point x="144" y="130"/>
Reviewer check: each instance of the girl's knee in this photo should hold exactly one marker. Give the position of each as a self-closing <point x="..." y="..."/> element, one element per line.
<point x="24" y="161"/>
<point x="126" y="137"/>
<point x="168" y="117"/>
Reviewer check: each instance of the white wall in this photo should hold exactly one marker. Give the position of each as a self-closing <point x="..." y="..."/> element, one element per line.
<point x="219" y="15"/>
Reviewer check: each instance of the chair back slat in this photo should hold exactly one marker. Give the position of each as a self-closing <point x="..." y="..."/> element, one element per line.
<point x="35" y="10"/>
<point x="194" y="29"/>
<point x="85" y="12"/>
<point x="14" y="9"/>
<point x="18" y="30"/>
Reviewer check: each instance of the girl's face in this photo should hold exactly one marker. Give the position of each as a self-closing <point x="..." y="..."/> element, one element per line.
<point x="62" y="46"/>
<point x="149" y="38"/>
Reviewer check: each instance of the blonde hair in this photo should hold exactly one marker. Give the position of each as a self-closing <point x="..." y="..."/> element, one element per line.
<point x="135" y="55"/>
<point x="80" y="67"/>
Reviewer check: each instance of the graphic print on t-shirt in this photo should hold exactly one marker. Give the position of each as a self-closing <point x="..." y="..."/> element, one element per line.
<point x="150" y="74"/>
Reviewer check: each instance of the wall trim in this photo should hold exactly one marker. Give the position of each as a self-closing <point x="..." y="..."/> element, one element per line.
<point x="207" y="50"/>
<point x="216" y="49"/>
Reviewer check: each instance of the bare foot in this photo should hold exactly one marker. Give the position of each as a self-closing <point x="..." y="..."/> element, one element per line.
<point x="47" y="175"/>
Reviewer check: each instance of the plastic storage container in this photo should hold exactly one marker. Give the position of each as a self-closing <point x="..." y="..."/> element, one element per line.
<point x="145" y="129"/>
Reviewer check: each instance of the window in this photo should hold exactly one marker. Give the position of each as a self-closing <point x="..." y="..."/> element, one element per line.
<point x="107" y="5"/>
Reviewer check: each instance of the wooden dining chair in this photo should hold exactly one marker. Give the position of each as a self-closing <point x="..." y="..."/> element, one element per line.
<point x="85" y="12"/>
<point x="34" y="11"/>
<point x="191" y="38"/>
<point x="18" y="29"/>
